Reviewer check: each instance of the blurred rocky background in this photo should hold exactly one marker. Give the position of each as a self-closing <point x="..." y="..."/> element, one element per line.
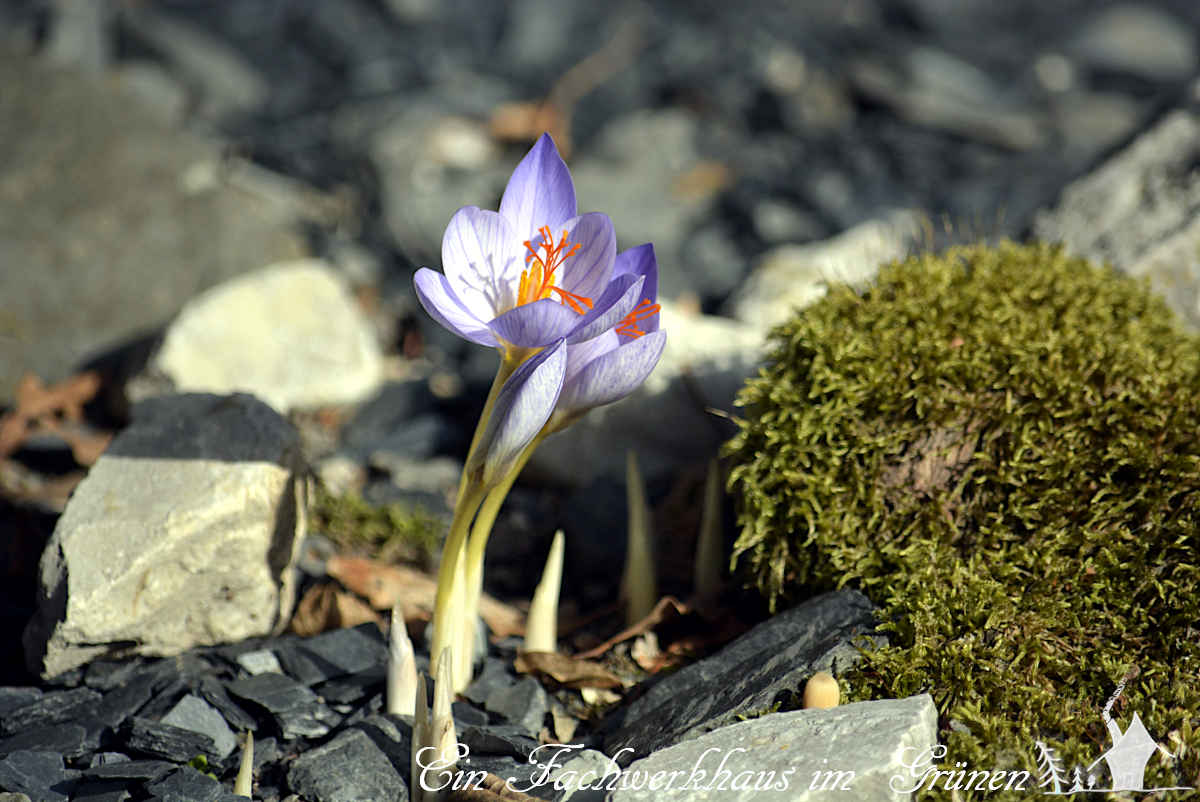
<point x="212" y="198"/>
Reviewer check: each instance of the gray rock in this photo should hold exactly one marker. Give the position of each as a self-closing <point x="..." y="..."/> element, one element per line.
<point x="525" y="704"/>
<point x="79" y="35"/>
<point x="290" y="334"/>
<point x="50" y="708"/>
<point x="750" y="674"/>
<point x="644" y="187"/>
<point x="195" y="714"/>
<point x="860" y="751"/>
<point x="1137" y="39"/>
<point x="67" y="740"/>
<point x="227" y="81"/>
<point x="1140" y="211"/>
<point x="334" y="654"/>
<point x="167" y="741"/>
<point x="260" y="661"/>
<point x="183" y="533"/>
<point x="791" y="277"/>
<point x="350" y="768"/>
<point x="40" y="775"/>
<point x="298" y="712"/>
<point x="101" y="264"/>
<point x="187" y="783"/>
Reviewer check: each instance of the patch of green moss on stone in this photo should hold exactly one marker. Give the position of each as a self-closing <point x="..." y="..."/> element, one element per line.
<point x="391" y="532"/>
<point x="1001" y="448"/>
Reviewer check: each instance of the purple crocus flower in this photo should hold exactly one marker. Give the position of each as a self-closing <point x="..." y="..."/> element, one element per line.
<point x="612" y="365"/>
<point x="534" y="272"/>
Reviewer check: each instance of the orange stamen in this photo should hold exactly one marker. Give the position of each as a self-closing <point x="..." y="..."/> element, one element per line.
<point x="537" y="282"/>
<point x="628" y="325"/>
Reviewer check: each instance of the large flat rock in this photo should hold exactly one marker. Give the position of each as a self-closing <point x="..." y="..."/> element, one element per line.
<point x="107" y="227"/>
<point x="183" y="534"/>
<point x="862" y="751"/>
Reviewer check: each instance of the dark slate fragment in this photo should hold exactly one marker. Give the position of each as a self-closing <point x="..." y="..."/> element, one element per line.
<point x="148" y="770"/>
<point x="102" y="791"/>
<point x="169" y="742"/>
<point x="63" y="739"/>
<point x="333" y="654"/>
<point x="123" y="701"/>
<point x="49" y="708"/>
<point x="165" y="696"/>
<point x="297" y="711"/>
<point x="350" y="768"/>
<point x="186" y="784"/>
<point x="213" y="692"/>
<point x="524" y="704"/>
<point x="392" y="735"/>
<point x="467" y="715"/>
<point x="492" y="677"/>
<point x="770" y="661"/>
<point x="266" y="750"/>
<point x="16" y="698"/>
<point x="349" y="690"/>
<point x="41" y="775"/>
<point x="107" y="758"/>
<point x="105" y="675"/>
<point x="194" y="714"/>
<point x="498" y="739"/>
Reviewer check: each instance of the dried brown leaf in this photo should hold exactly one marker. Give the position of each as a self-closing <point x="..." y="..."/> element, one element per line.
<point x="568" y="671"/>
<point x="385" y="586"/>
<point x="325" y="607"/>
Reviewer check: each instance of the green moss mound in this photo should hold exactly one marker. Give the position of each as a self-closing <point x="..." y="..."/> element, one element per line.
<point x="1001" y="447"/>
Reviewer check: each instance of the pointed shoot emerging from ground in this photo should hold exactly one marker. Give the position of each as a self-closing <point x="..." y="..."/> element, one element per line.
<point x="441" y="726"/>
<point x="401" y="670"/>
<point x="420" y="740"/>
<point x="541" y="631"/>
<point x="706" y="575"/>
<point x="638" y="586"/>
<point x="242" y="786"/>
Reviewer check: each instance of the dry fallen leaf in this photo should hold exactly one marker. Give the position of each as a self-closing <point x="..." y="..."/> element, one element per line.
<point x="39" y="407"/>
<point x="564" y="723"/>
<point x="385" y="586"/>
<point x="325" y="607"/>
<point x="645" y="651"/>
<point x="668" y="607"/>
<point x="567" y="671"/>
<point x="492" y="789"/>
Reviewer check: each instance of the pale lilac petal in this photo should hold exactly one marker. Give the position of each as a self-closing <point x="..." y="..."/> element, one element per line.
<point x="535" y="324"/>
<point x="540" y="192"/>
<point x="483" y="260"/>
<point x="522" y="407"/>
<point x="612" y="375"/>
<point x="437" y="296"/>
<point x="640" y="261"/>
<point x="588" y="272"/>
<point x="581" y="354"/>
<point x="618" y="299"/>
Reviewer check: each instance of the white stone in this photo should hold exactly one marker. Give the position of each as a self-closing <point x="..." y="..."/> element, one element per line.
<point x="791" y="277"/>
<point x="182" y="534"/>
<point x="290" y="334"/>
<point x="861" y="751"/>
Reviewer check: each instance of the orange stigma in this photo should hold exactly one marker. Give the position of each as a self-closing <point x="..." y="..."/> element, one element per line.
<point x="537" y="281"/>
<point x="628" y="325"/>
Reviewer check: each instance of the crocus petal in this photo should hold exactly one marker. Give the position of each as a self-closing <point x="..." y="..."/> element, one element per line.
<point x="612" y="375"/>
<point x="619" y="298"/>
<point x="522" y="408"/>
<point x="482" y="258"/>
<point x="640" y="261"/>
<point x="581" y="354"/>
<point x="588" y="272"/>
<point x="438" y="297"/>
<point x="540" y="192"/>
<point x="536" y="324"/>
